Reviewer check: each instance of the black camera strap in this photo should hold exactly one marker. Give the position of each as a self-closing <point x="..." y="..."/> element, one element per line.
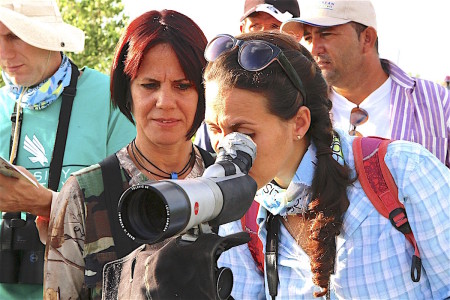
<point x="273" y="227"/>
<point x="113" y="188"/>
<point x="68" y="96"/>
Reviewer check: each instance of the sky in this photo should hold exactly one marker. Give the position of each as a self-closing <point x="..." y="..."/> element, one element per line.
<point x="413" y="34"/>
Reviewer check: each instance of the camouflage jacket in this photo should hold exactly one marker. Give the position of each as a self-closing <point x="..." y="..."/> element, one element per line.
<point x="80" y="240"/>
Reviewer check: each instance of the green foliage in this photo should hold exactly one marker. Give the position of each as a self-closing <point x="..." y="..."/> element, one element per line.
<point x="102" y="22"/>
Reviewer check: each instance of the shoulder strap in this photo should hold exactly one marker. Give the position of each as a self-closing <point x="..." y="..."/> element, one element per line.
<point x="273" y="227"/>
<point x="68" y="95"/>
<point x="380" y="188"/>
<point x="113" y="188"/>
<point x="16" y="125"/>
<point x="207" y="157"/>
<point x="248" y="222"/>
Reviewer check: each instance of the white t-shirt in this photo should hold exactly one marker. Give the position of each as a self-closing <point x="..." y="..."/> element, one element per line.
<point x="377" y="106"/>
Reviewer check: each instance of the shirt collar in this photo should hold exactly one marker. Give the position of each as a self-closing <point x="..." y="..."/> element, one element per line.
<point x="305" y="170"/>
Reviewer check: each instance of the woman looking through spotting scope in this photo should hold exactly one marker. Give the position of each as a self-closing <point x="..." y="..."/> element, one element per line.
<point x="331" y="239"/>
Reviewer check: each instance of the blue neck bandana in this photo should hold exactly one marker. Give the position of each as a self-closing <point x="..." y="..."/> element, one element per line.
<point x="43" y="94"/>
<point x="296" y="198"/>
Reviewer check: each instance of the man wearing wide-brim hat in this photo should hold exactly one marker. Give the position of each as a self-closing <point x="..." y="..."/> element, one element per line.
<point x="54" y="120"/>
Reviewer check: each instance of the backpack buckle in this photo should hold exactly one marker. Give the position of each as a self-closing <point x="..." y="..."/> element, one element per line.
<point x="14" y="116"/>
<point x="416" y="268"/>
<point x="399" y="220"/>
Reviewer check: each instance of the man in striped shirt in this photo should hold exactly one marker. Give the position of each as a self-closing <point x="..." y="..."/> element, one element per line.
<point x="372" y="96"/>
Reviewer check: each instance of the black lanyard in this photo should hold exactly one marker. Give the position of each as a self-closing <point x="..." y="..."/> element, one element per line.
<point x="271" y="257"/>
<point x="68" y="95"/>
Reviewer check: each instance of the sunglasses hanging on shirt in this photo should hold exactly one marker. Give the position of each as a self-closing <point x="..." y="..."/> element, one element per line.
<point x="358" y="116"/>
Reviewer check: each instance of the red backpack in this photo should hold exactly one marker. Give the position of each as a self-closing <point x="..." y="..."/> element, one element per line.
<point x="380" y="188"/>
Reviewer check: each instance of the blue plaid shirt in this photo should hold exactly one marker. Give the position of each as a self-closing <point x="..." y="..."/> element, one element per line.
<point x="373" y="259"/>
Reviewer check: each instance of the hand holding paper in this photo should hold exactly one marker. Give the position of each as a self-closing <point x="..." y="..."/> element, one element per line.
<point x="20" y="191"/>
<point x="10" y="170"/>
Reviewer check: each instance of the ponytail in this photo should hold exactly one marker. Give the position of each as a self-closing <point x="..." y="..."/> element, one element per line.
<point x="329" y="191"/>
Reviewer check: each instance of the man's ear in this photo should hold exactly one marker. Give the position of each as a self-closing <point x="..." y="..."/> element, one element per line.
<point x="241" y="27"/>
<point x="369" y="38"/>
<point x="302" y="122"/>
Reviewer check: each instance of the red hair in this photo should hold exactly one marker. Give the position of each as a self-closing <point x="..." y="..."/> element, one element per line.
<point x="148" y="30"/>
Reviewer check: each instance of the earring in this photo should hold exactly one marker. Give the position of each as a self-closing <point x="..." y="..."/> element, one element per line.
<point x="299" y="137"/>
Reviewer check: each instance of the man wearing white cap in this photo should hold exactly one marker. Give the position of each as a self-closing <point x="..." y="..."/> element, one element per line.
<point x="54" y="120"/>
<point x="260" y="15"/>
<point x="372" y="96"/>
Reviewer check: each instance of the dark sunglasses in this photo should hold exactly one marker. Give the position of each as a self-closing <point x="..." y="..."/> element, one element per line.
<point x="254" y="55"/>
<point x="358" y="116"/>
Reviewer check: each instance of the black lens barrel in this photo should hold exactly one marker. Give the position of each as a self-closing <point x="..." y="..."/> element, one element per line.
<point x="153" y="212"/>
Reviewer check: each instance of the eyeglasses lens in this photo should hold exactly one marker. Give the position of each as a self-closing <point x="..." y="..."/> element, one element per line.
<point x="358" y="116"/>
<point x="218" y="46"/>
<point x="255" y="56"/>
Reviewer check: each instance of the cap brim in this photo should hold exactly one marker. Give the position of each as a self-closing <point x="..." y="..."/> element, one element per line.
<point x="292" y="27"/>
<point x="279" y="16"/>
<point x="291" y="23"/>
<point x="50" y="36"/>
<point x="317" y="21"/>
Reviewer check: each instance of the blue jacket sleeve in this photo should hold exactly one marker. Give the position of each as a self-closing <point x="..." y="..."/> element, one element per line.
<point x="424" y="187"/>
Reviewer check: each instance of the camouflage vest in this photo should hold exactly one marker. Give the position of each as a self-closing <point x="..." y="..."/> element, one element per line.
<point x="99" y="247"/>
<point x="99" y="244"/>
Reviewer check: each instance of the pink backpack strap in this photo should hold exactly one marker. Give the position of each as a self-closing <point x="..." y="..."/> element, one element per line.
<point x="380" y="188"/>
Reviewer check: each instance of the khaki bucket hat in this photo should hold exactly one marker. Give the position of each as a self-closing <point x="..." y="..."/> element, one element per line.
<point x="39" y="23"/>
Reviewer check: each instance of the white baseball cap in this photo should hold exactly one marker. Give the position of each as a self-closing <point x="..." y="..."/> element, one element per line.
<point x="335" y="12"/>
<point x="281" y="10"/>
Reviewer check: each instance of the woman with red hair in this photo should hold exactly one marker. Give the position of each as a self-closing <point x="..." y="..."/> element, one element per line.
<point x="156" y="82"/>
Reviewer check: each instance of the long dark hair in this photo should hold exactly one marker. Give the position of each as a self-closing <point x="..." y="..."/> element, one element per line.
<point x="331" y="179"/>
<point x="148" y="30"/>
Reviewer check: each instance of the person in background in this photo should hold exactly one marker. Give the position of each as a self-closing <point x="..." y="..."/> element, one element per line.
<point x="40" y="83"/>
<point x="333" y="243"/>
<point x="260" y="15"/>
<point x="372" y="96"/>
<point x="156" y="82"/>
<point x="268" y="15"/>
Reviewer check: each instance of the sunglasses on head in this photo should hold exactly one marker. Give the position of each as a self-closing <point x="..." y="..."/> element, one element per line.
<point x="254" y="55"/>
<point x="358" y="116"/>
